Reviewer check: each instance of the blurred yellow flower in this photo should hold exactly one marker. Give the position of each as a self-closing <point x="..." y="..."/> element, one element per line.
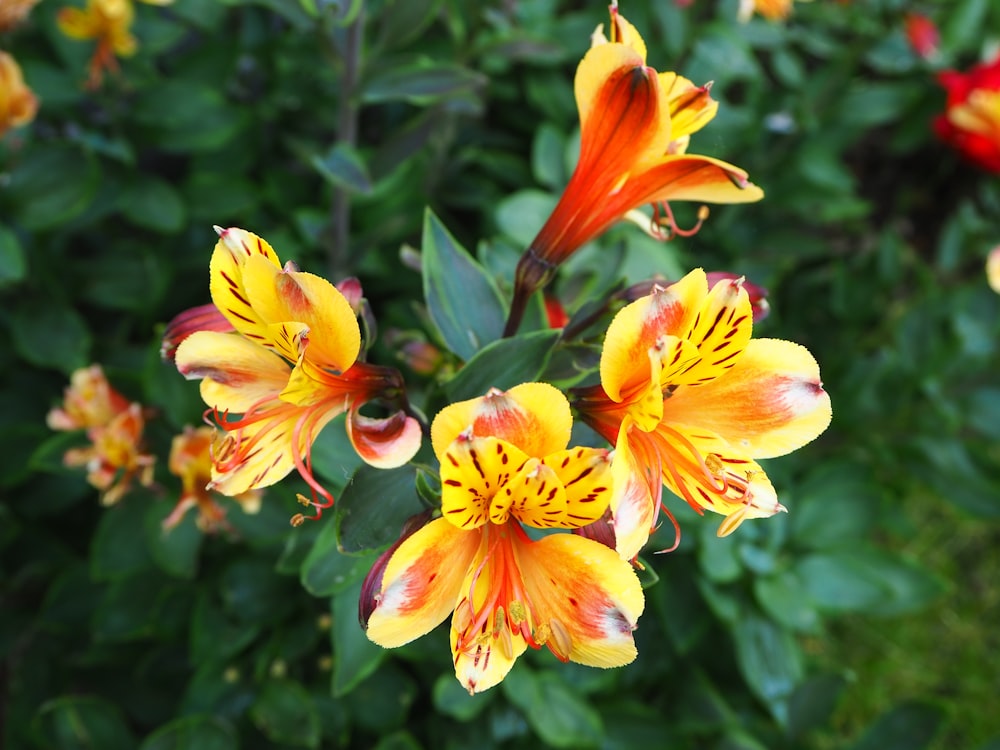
<point x="772" y="10"/>
<point x="18" y="104"/>
<point x="191" y="461"/>
<point x="109" y="23"/>
<point x="13" y="12"/>
<point x="993" y="269"/>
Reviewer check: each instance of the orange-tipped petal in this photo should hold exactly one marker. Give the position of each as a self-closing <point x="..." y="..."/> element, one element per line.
<point x="588" y="599"/>
<point x="384" y="443"/>
<point x="691" y="107"/>
<point x="695" y="178"/>
<point x="769" y="404"/>
<point x="535" y="417"/>
<point x="236" y="372"/>
<point x="421" y="583"/>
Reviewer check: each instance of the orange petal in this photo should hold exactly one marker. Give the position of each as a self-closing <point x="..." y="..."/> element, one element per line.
<point x="634" y="331"/>
<point x="535" y="417"/>
<point x="588" y="600"/>
<point x="236" y="372"/>
<point x="384" y="443"/>
<point x="690" y="177"/>
<point x="422" y="582"/>
<point x="769" y="404"/>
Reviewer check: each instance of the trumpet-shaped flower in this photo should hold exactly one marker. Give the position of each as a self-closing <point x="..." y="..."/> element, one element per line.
<point x="18" y="104"/>
<point x="690" y="401"/>
<point x="504" y="466"/>
<point x="288" y="368"/>
<point x="191" y="461"/>
<point x="109" y="23"/>
<point x="635" y="126"/>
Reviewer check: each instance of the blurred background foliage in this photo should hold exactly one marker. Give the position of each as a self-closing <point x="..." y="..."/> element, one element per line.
<point x="864" y="618"/>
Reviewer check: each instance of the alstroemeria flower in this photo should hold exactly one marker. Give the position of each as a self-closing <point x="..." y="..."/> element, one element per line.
<point x="689" y="401"/>
<point x="635" y="125"/>
<point x="18" y="103"/>
<point x="290" y="366"/>
<point x="115" y="457"/>
<point x="191" y="461"/>
<point x="109" y="23"/>
<point x="971" y="121"/>
<point x="89" y="401"/>
<point x="505" y="465"/>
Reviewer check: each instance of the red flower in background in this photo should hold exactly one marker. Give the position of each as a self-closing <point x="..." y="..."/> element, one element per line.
<point x="922" y="34"/>
<point x="971" y="120"/>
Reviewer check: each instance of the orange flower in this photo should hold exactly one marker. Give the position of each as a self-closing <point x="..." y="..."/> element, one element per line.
<point x="89" y="401"/>
<point x="689" y="401"/>
<point x="289" y="367"/>
<point x="191" y="460"/>
<point x="772" y="10"/>
<point x="504" y="465"/>
<point x="18" y="104"/>
<point x="635" y="126"/>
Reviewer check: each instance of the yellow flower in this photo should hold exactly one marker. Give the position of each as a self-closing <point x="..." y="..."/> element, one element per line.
<point x="504" y="464"/>
<point x="13" y="12"/>
<point x="635" y="126"/>
<point x="689" y="400"/>
<point x="115" y="457"/>
<point x="191" y="461"/>
<point x="89" y="401"/>
<point x="772" y="10"/>
<point x="18" y="104"/>
<point x="109" y="23"/>
<point x="289" y="368"/>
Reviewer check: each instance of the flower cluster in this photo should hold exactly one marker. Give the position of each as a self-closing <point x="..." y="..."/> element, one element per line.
<point x="971" y="120"/>
<point x="115" y="456"/>
<point x="531" y="541"/>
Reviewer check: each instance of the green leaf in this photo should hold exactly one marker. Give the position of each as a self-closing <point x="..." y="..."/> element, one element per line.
<point x="152" y="203"/>
<point x="963" y="29"/>
<point x="770" y="661"/>
<point x="52" y="185"/>
<point x="503" y="364"/>
<point x="129" y="609"/>
<point x="193" y="733"/>
<point x="253" y="592"/>
<point x="784" y="597"/>
<point x="354" y="656"/>
<point x="374" y="506"/>
<point x="51" y="336"/>
<point x="214" y="636"/>
<point x="82" y="723"/>
<point x="285" y="713"/>
<point x="812" y="703"/>
<point x="839" y="582"/>
<point x="423" y="83"/>
<point x="910" y="726"/>
<point x="183" y="115"/>
<point x="118" y="548"/>
<point x="342" y="166"/>
<point x="176" y="550"/>
<point x="834" y="506"/>
<point x="326" y="570"/>
<point x="547" y="164"/>
<point x="451" y="699"/>
<point x="399" y="740"/>
<point x="13" y="265"/>
<point x="522" y="214"/>
<point x="557" y="713"/>
<point x="462" y="300"/>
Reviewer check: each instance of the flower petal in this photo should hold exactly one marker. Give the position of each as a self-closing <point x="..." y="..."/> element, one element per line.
<point x="422" y="582"/>
<point x="690" y="177"/>
<point x="586" y="475"/>
<point x="384" y="443"/>
<point x="200" y="318"/>
<point x="637" y="490"/>
<point x="691" y="107"/>
<point x="473" y="471"/>
<point x="535" y="417"/>
<point x="582" y="588"/>
<point x="236" y="372"/>
<point x="634" y="331"/>
<point x="769" y="404"/>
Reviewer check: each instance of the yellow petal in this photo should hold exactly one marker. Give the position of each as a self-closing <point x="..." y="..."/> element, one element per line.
<point x="384" y="443"/>
<point x="236" y="372"/>
<point x="636" y="495"/>
<point x="634" y="331"/>
<point x="587" y="599"/>
<point x="77" y="24"/>
<point x="769" y="404"/>
<point x="623" y="32"/>
<point x="473" y="471"/>
<point x="262" y="452"/>
<point x="284" y="296"/>
<point x="585" y="474"/>
<point x="535" y="417"/>
<point x="422" y="583"/>
<point x="691" y="107"/>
